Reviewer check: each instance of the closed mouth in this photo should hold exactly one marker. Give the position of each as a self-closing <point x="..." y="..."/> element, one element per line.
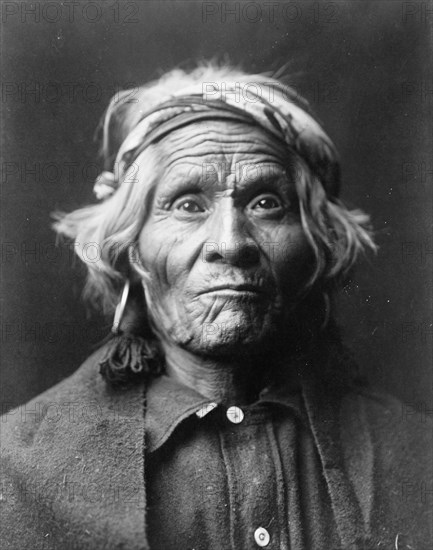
<point x="233" y="288"/>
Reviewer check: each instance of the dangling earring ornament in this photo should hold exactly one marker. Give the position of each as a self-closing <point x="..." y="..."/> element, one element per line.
<point x="127" y="356"/>
<point x="120" y="308"/>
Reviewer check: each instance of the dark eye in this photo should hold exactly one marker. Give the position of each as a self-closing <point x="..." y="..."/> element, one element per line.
<point x="188" y="205"/>
<point x="266" y="205"/>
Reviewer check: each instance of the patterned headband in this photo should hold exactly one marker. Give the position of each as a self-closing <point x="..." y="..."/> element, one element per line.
<point x="282" y="115"/>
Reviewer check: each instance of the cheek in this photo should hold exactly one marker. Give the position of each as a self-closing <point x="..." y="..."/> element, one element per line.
<point x="167" y="266"/>
<point x="167" y="256"/>
<point x="291" y="258"/>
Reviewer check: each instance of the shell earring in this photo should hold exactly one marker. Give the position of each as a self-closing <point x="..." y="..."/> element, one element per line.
<point x="120" y="308"/>
<point x="135" y="261"/>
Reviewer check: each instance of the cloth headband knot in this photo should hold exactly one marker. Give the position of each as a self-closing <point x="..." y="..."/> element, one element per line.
<point x="281" y="115"/>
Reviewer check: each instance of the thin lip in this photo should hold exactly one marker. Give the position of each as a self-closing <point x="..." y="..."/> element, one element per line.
<point x="241" y="288"/>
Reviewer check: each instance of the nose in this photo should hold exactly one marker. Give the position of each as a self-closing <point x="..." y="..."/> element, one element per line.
<point x="229" y="238"/>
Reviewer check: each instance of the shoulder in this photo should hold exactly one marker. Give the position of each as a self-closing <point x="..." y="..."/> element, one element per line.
<point x="400" y="436"/>
<point x="388" y="452"/>
<point x="389" y="420"/>
<point x="82" y="387"/>
<point x="74" y="408"/>
<point x="388" y="448"/>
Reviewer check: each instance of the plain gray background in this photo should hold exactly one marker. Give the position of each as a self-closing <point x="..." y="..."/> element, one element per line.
<point x="365" y="67"/>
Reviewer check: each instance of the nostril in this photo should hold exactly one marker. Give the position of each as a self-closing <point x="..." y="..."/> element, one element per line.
<point x="248" y="254"/>
<point x="211" y="252"/>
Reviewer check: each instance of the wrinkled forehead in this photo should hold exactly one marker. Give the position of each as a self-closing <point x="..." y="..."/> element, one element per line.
<point x="217" y="152"/>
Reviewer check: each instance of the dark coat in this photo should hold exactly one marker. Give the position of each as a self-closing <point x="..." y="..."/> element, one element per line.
<point x="73" y="467"/>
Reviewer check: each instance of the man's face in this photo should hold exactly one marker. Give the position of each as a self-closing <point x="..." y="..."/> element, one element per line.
<point x="223" y="243"/>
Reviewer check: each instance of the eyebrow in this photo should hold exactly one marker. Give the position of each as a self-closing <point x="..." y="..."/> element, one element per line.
<point x="277" y="177"/>
<point x="269" y="174"/>
<point x="180" y="184"/>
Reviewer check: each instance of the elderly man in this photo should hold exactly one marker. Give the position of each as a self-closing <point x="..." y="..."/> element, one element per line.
<point x="228" y="414"/>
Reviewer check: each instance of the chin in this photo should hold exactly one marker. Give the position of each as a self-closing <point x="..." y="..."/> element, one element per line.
<point x="232" y="337"/>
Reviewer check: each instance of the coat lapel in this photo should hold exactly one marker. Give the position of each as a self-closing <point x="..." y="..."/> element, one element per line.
<point x="323" y="409"/>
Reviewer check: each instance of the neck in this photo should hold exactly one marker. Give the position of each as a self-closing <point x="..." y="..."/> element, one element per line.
<point x="229" y="380"/>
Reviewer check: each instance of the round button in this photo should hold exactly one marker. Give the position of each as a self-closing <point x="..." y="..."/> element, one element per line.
<point x="206" y="409"/>
<point x="261" y="536"/>
<point x="235" y="415"/>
